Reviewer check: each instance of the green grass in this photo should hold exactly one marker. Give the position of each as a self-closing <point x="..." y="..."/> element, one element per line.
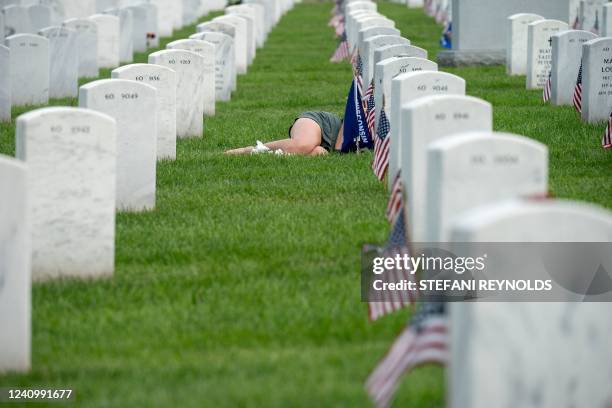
<point x="242" y="287"/>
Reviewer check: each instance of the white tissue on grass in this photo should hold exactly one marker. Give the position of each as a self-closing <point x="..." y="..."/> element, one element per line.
<point x="262" y="148"/>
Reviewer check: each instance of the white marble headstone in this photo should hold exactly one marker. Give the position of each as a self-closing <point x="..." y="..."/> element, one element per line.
<point x="478" y="168"/>
<point x="152" y="30"/>
<point x="225" y="69"/>
<point x="40" y="17"/>
<point x="15" y="252"/>
<point x="519" y="354"/>
<point x="258" y="24"/>
<point x="189" y="68"/>
<point x="590" y="15"/>
<point x="165" y="25"/>
<point x="86" y="44"/>
<point x="566" y="57"/>
<point x="71" y="158"/>
<point x="126" y="33"/>
<point x="366" y="51"/>
<point x="516" y="42"/>
<point x="606" y="28"/>
<point x="67" y="9"/>
<point x="351" y="25"/>
<point x="246" y="21"/>
<point x="163" y="79"/>
<point x="5" y="84"/>
<point x="16" y="20"/>
<point x="240" y="54"/>
<point x="139" y="28"/>
<point x="134" y="106"/>
<point x="398" y="50"/>
<point x="350" y="22"/>
<point x="108" y="40"/>
<point x="539" y="50"/>
<point x="260" y="16"/>
<point x="207" y="51"/>
<point x="384" y="73"/>
<point x="64" y="64"/>
<point x="366" y="21"/>
<point x="597" y="80"/>
<point x="29" y="69"/>
<point x="177" y="13"/>
<point x="406" y="88"/>
<point x="374" y="31"/>
<point x="190" y="11"/>
<point x="426" y="120"/>
<point x="241" y="41"/>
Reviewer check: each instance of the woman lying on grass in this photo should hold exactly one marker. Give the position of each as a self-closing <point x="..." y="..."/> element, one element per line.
<point x="312" y="134"/>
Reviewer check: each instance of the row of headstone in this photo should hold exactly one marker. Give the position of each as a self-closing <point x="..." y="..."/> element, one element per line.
<point x="552" y="56"/>
<point x="76" y="48"/>
<point x="464" y="183"/>
<point x="476" y="35"/>
<point x="77" y="166"/>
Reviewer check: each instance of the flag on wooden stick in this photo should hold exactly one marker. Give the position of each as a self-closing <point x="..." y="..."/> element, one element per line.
<point x="425" y="340"/>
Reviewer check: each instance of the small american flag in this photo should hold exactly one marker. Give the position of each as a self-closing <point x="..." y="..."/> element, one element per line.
<point x="370" y="107"/>
<point x="606" y="141"/>
<point x="340" y="29"/>
<point x="358" y="73"/>
<point x="578" y="92"/>
<point x="425" y="340"/>
<point x="381" y="146"/>
<point x="595" y="29"/>
<point x="396" y="199"/>
<point x="335" y="20"/>
<point x="546" y="94"/>
<point x="342" y="52"/>
<point x="390" y="303"/>
<point x="576" y="24"/>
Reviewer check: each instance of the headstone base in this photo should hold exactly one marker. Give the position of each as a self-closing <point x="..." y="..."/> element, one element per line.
<point x="457" y="58"/>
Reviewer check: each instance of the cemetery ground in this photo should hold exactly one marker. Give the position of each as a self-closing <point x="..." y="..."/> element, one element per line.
<point x="242" y="287"/>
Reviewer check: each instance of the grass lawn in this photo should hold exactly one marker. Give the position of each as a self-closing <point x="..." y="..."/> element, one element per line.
<point x="242" y="287"/>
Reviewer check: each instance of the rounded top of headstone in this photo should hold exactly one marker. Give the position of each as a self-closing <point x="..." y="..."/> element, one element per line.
<point x="149" y="68"/>
<point x="525" y="16"/>
<point x="56" y="30"/>
<point x="76" y="21"/>
<point x="555" y="214"/>
<point x="598" y="42"/>
<point x="212" y="36"/>
<point x="191" y="42"/>
<point x="26" y="36"/>
<point x="492" y="138"/>
<point x="549" y="23"/>
<point x="357" y="13"/>
<point x="377" y="30"/>
<point x="178" y="53"/>
<point x="426" y="102"/>
<point x="407" y="60"/>
<point x="575" y="33"/>
<point x="103" y="17"/>
<point x="37" y="114"/>
<point x="4" y="49"/>
<point x="114" y="83"/>
<point x="247" y="8"/>
<point x="11" y="7"/>
<point x="419" y="75"/>
<point x="122" y="12"/>
<point x="403" y="50"/>
<point x="386" y="39"/>
<point x="39" y="6"/>
<point x="230" y="18"/>
<point x="220" y="26"/>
